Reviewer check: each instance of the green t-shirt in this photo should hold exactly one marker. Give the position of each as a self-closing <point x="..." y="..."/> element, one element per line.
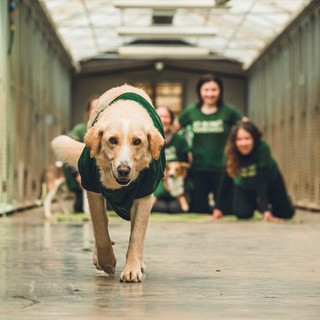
<point x="177" y="149"/>
<point x="257" y="168"/>
<point x="121" y="199"/>
<point x="210" y="134"/>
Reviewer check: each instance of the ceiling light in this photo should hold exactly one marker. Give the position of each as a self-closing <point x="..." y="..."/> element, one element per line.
<point x="162" y="52"/>
<point x="142" y="4"/>
<point x="161" y="32"/>
<point x="159" y="66"/>
<point x="221" y="2"/>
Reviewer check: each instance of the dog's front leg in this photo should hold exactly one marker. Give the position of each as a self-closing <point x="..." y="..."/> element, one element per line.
<point x="103" y="255"/>
<point x="183" y="203"/>
<point x="139" y="214"/>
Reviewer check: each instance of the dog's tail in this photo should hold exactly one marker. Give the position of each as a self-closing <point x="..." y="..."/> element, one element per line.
<point x="67" y="150"/>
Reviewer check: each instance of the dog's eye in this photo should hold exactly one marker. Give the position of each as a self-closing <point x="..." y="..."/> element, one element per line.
<point x="113" y="140"/>
<point x="136" y="141"/>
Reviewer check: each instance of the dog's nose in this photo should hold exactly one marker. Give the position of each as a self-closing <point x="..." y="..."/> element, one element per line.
<point x="123" y="170"/>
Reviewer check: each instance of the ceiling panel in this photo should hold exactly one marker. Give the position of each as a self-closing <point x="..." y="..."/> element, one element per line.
<point x="240" y="28"/>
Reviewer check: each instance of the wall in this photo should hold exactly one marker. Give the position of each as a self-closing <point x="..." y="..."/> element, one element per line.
<point x="85" y="86"/>
<point x="284" y="100"/>
<point x="35" y="87"/>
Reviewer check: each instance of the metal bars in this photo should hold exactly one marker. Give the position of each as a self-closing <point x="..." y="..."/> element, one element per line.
<point x="284" y="101"/>
<point x="35" y="88"/>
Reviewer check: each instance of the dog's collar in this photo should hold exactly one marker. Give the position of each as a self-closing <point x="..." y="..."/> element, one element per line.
<point x="140" y="100"/>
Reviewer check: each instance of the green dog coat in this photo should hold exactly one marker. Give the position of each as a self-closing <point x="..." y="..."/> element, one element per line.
<point x="121" y="199"/>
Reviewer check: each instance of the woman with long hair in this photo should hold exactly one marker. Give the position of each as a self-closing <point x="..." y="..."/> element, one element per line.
<point x="258" y="183"/>
<point x="210" y="120"/>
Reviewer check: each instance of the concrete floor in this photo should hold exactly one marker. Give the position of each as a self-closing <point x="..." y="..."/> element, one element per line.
<point x="195" y="270"/>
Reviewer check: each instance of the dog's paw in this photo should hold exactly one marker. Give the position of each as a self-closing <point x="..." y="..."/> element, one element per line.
<point x="105" y="261"/>
<point x="133" y="272"/>
<point x="183" y="203"/>
<point x="95" y="258"/>
<point x="185" y="207"/>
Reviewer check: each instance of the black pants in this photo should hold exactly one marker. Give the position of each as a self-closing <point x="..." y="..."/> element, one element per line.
<point x="245" y="202"/>
<point x="74" y="186"/>
<point x="203" y="184"/>
<point x="169" y="205"/>
<point x="225" y="194"/>
<point x="78" y="203"/>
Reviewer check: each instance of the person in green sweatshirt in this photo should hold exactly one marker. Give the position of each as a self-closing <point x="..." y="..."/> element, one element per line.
<point x="258" y="183"/>
<point x="210" y="120"/>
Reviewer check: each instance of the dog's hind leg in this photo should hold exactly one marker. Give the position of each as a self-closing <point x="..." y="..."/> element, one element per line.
<point x="103" y="255"/>
<point x="61" y="200"/>
<point x="139" y="213"/>
<point x="49" y="197"/>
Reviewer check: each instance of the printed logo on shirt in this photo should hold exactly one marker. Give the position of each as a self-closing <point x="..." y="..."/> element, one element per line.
<point x="249" y="171"/>
<point x="171" y="153"/>
<point x="213" y="126"/>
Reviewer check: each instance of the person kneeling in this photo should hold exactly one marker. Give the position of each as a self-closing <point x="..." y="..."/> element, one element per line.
<point x="257" y="180"/>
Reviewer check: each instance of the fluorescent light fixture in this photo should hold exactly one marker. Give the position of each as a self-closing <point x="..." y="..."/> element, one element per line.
<point x="147" y="4"/>
<point x="167" y="32"/>
<point x="162" y="52"/>
<point x="221" y="2"/>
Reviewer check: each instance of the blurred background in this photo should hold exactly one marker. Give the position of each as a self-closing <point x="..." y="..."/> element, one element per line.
<point x="55" y="54"/>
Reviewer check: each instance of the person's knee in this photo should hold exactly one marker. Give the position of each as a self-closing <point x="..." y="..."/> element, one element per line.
<point x="291" y="212"/>
<point x="174" y="207"/>
<point x="286" y="214"/>
<point x="196" y="208"/>
<point x="284" y="209"/>
<point x="243" y="215"/>
<point x="160" y="206"/>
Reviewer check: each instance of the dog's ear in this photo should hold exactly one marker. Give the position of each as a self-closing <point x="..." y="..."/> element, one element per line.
<point x="92" y="140"/>
<point x="184" y="165"/>
<point x="184" y="168"/>
<point x="156" y="142"/>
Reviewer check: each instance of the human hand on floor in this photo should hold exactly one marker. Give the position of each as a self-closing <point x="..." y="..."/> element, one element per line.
<point x="216" y="214"/>
<point x="269" y="217"/>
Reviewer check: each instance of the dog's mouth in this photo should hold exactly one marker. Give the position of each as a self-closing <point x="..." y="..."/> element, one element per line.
<point x="123" y="181"/>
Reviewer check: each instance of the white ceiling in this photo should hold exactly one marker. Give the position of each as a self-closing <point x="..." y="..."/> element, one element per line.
<point x="237" y="30"/>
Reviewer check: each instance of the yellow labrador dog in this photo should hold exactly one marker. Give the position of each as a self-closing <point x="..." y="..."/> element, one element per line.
<point x="122" y="161"/>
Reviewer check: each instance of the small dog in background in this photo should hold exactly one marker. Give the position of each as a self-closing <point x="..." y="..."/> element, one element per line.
<point x="174" y="182"/>
<point x="53" y="181"/>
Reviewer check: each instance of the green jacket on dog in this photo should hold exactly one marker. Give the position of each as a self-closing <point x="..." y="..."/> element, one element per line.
<point x="121" y="199"/>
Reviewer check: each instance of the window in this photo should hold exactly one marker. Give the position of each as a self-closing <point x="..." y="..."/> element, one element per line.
<point x="167" y="94"/>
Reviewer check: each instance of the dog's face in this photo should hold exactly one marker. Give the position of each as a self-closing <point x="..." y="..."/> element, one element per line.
<point x="123" y="147"/>
<point x="176" y="169"/>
